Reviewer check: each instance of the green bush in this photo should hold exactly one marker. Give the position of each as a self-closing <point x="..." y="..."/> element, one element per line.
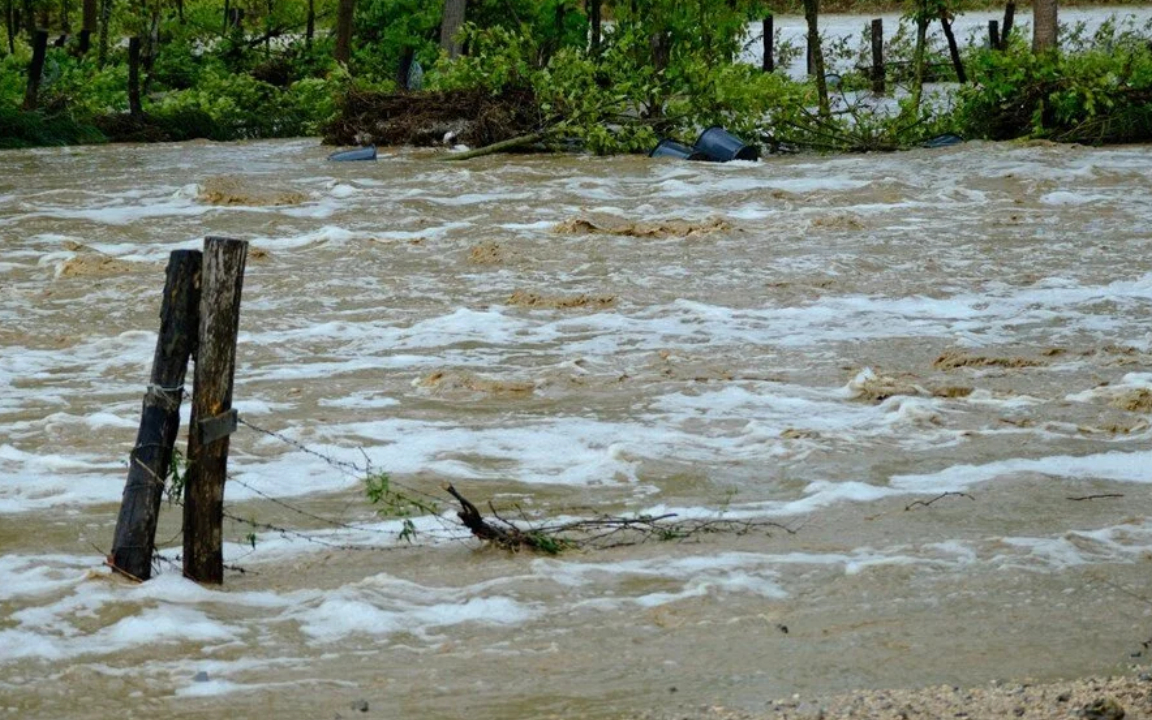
<point x="1096" y="97"/>
<point x="29" y="129"/>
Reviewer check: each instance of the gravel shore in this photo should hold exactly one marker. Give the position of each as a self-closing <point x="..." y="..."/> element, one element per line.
<point x="1089" y="698"/>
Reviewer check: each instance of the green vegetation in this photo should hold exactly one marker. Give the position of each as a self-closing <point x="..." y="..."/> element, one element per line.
<point x="549" y="72"/>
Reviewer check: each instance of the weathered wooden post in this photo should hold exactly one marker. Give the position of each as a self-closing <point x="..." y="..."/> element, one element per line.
<point x="134" y="108"/>
<point x="994" y="34"/>
<point x="213" y="418"/>
<point x="953" y="48"/>
<point x="769" y="64"/>
<point x="160" y="418"/>
<point x="878" y="76"/>
<point x="1009" y="20"/>
<point x="35" y="70"/>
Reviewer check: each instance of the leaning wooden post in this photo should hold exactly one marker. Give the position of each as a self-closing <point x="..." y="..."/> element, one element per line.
<point x="953" y="48"/>
<point x="769" y="64"/>
<point x="35" y="70"/>
<point x="1006" y="29"/>
<point x="160" y="419"/>
<point x="878" y="79"/>
<point x="213" y="419"/>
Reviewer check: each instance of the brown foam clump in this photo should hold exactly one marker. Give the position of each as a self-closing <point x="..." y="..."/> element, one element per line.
<point x="871" y="387"/>
<point x="953" y="359"/>
<point x="523" y="298"/>
<point x="488" y="252"/>
<point x="229" y="191"/>
<point x="838" y="222"/>
<point x="1139" y="400"/>
<point x="448" y="380"/>
<point x="667" y="229"/>
<point x="96" y="265"/>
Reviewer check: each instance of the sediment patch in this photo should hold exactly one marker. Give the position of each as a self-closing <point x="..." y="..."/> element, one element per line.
<point x="449" y="380"/>
<point x="231" y="191"/>
<point x="524" y="298"/>
<point x="665" y="229"/>
<point x="954" y="359"/>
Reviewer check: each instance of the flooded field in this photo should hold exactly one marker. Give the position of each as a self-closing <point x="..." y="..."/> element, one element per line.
<point x="821" y="342"/>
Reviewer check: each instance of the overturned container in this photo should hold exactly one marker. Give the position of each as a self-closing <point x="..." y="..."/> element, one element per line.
<point x="364" y="153"/>
<point x="718" y="145"/>
<point x="673" y="149"/>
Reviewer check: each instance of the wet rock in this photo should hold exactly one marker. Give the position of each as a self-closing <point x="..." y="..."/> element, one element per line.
<point x="1103" y="709"/>
<point x="201" y="676"/>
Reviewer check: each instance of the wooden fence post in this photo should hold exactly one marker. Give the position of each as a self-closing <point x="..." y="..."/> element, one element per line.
<point x="769" y="64"/>
<point x="213" y="419"/>
<point x="953" y="48"/>
<point x="878" y="75"/>
<point x="1006" y="29"/>
<point x="35" y="70"/>
<point x="159" y="419"/>
<point x="994" y="34"/>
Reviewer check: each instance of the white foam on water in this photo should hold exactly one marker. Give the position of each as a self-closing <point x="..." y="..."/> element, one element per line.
<point x="1116" y="466"/>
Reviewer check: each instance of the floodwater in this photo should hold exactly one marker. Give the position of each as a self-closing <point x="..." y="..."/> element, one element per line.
<point x="819" y="342"/>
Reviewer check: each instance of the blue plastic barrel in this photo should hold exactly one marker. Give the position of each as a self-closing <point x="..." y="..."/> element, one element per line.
<point x="364" y="153"/>
<point x="943" y="141"/>
<point x="718" y="145"/>
<point x="673" y="149"/>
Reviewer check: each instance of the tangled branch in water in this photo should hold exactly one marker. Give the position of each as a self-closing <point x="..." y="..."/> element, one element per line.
<point x="601" y="532"/>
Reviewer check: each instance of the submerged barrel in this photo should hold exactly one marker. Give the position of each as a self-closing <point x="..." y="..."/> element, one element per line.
<point x="673" y="149"/>
<point x="718" y="145"/>
<point x="364" y="153"/>
<point x="943" y="141"/>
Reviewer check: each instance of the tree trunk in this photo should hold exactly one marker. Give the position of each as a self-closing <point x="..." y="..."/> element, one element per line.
<point x="310" y="29"/>
<point x="90" y="25"/>
<point x="594" y="17"/>
<point x="10" y="24"/>
<point x="344" y="14"/>
<point x="812" y="17"/>
<point x="450" y="26"/>
<point x="135" y="110"/>
<point x="1044" y="25"/>
<point x="35" y="70"/>
<point x="918" y="56"/>
<point x="105" y="18"/>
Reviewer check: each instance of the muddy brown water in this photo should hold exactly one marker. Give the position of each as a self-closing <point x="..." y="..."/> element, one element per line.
<point x="819" y="342"/>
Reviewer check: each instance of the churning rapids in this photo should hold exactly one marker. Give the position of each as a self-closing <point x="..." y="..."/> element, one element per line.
<point x="821" y="341"/>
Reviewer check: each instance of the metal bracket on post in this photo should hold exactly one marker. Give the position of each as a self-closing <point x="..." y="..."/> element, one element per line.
<point x="221" y="426"/>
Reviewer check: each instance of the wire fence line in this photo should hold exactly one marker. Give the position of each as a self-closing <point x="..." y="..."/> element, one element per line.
<point x="598" y="531"/>
<point x="173" y="486"/>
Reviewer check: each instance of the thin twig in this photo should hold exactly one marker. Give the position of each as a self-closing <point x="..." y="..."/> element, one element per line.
<point x="941" y="496"/>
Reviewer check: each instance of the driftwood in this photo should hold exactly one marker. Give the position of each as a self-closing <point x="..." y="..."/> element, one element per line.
<point x="503" y="146"/>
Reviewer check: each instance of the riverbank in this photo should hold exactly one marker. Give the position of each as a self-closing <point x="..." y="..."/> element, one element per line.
<point x="1094" y="698"/>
